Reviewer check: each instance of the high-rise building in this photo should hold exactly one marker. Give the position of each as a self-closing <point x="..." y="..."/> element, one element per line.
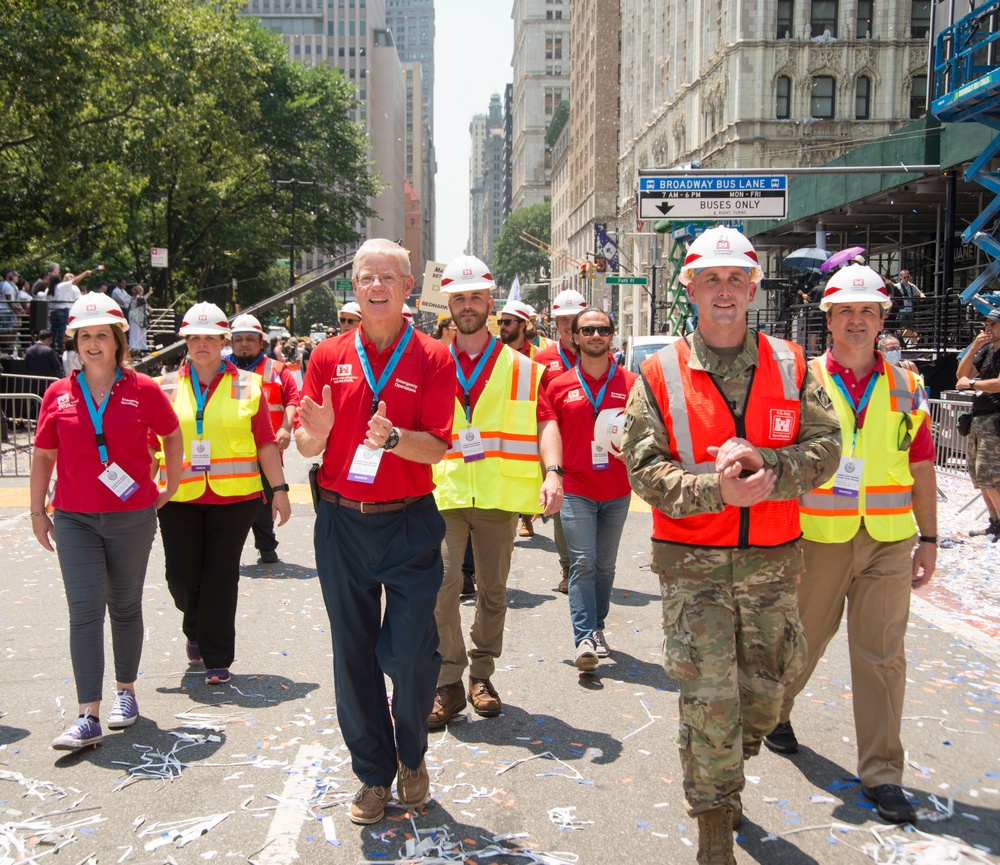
<point x="541" y="82"/>
<point x="486" y="180"/>
<point x="508" y="147"/>
<point x="417" y="168"/>
<point x="388" y="137"/>
<point x="477" y="187"/>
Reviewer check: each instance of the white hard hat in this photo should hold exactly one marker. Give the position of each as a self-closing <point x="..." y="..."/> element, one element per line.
<point x="516" y="308"/>
<point x="466" y="273"/>
<point x="608" y="428"/>
<point x="856" y="283"/>
<point x="720" y="247"/>
<point x="246" y="323"/>
<point x="95" y="308"/>
<point x="568" y="302"/>
<point x="351" y="308"/>
<point x="205" y="319"/>
<point x="407" y="312"/>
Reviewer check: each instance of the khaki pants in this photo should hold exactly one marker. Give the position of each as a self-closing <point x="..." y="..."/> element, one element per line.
<point x="492" y="534"/>
<point x="874" y="578"/>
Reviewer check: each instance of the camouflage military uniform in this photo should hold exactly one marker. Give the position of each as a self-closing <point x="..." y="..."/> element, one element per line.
<point x="732" y="636"/>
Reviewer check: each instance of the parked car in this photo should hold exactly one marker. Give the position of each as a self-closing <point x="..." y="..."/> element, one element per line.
<point x="641" y="347"/>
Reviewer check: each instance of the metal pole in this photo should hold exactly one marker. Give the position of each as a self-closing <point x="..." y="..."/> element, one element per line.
<point x="291" y="259"/>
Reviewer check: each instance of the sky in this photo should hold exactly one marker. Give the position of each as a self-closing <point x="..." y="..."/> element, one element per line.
<point x="472" y="52"/>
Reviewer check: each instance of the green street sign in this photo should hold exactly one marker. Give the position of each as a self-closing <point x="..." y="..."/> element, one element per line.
<point x="626" y="280"/>
<point x="284" y="262"/>
<point x="342" y="284"/>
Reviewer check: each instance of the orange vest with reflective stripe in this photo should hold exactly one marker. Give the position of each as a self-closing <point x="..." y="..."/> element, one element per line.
<point x="696" y="416"/>
<point x="896" y="409"/>
<point x="270" y="371"/>
<point x="227" y="425"/>
<point x="506" y="414"/>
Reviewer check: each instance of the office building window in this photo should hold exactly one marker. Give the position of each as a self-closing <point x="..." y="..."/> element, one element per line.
<point x="553" y="96"/>
<point x="783" y="98"/>
<point x="866" y="12"/>
<point x="918" y="95"/>
<point x="821" y="102"/>
<point x="784" y="28"/>
<point x="824" y="17"/>
<point x="863" y="98"/>
<point x="553" y="46"/>
<point x="920" y="19"/>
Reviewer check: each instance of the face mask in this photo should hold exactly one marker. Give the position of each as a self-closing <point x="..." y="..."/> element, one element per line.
<point x="893" y="356"/>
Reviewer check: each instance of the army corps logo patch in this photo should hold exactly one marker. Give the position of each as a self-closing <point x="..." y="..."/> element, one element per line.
<point x="782" y="424"/>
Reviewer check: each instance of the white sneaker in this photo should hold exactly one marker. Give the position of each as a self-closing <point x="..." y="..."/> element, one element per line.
<point x="603" y="649"/>
<point x="586" y="656"/>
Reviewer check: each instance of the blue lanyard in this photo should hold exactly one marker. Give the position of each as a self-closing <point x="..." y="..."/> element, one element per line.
<point x="366" y="367"/>
<point x="867" y="395"/>
<point x="596" y="403"/>
<point x="468" y="384"/>
<point x="565" y="361"/>
<point x="97" y="414"/>
<point x="200" y="398"/>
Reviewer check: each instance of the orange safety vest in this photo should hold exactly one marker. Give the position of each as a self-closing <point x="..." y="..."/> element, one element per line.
<point x="699" y="416"/>
<point x="270" y="371"/>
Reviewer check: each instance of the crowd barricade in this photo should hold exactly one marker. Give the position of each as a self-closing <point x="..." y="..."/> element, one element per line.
<point x="20" y="402"/>
<point x="949" y="444"/>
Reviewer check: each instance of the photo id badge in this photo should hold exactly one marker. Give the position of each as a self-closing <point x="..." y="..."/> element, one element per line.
<point x="364" y="465"/>
<point x="201" y="455"/>
<point x="472" y="444"/>
<point x="118" y="481"/>
<point x="847" y="480"/>
<point x="598" y="457"/>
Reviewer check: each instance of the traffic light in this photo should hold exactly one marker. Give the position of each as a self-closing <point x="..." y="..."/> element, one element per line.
<point x="600" y="265"/>
<point x="585" y="270"/>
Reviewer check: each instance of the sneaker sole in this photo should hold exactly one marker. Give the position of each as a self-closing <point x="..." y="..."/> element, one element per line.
<point x="121" y="725"/>
<point x="780" y="749"/>
<point x="75" y="745"/>
<point x="586" y="663"/>
<point x="217" y="680"/>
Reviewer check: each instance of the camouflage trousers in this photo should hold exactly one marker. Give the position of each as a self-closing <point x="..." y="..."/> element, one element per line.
<point x="733" y="640"/>
<point x="983" y="452"/>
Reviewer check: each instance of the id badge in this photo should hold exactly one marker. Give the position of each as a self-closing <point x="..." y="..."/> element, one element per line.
<point x="201" y="455"/>
<point x="364" y="465"/>
<point x="847" y="480"/>
<point x="472" y="444"/>
<point x="118" y="481"/>
<point x="598" y="457"/>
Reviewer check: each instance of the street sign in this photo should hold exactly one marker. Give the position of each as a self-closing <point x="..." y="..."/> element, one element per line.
<point x="752" y="196"/>
<point x="158" y="257"/>
<point x="283" y="262"/>
<point x="341" y="283"/>
<point x="626" y="280"/>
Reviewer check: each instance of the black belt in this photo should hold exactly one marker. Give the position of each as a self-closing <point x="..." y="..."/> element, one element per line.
<point x="368" y="507"/>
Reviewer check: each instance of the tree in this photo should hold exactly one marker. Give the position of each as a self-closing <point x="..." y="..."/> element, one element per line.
<point x="514" y="255"/>
<point x="319" y="305"/>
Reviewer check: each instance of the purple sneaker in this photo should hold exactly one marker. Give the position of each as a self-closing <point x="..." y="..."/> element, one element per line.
<point x="193" y="652"/>
<point x="85" y="730"/>
<point x="217" y="676"/>
<point x="125" y="711"/>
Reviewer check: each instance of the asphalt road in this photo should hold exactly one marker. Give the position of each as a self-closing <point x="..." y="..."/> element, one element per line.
<point x="275" y="770"/>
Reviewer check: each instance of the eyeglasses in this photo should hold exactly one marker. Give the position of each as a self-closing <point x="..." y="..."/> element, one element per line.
<point x="507" y="322"/>
<point x="368" y="279"/>
<point x="347" y="320"/>
<point x="590" y="330"/>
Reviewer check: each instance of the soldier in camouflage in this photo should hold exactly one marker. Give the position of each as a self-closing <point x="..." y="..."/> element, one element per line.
<point x="724" y="430"/>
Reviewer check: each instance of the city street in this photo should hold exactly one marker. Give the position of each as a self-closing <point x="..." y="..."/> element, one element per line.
<point x="579" y="768"/>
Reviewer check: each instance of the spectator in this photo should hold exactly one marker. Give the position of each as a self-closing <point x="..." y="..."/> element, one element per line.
<point x="61" y="297"/>
<point x="40" y="357"/>
<point x="138" y="318"/>
<point x="120" y="295"/>
<point x="9" y="310"/>
<point x="893" y="353"/>
<point x="445" y="330"/>
<point x="70" y="357"/>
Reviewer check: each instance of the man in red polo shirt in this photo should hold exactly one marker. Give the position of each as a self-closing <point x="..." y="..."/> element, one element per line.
<point x="557" y="359"/>
<point x="378" y="403"/>
<point x="513" y="322"/>
<point x="597" y="491"/>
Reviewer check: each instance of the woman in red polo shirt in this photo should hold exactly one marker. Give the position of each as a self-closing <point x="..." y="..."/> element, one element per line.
<point x="93" y="428"/>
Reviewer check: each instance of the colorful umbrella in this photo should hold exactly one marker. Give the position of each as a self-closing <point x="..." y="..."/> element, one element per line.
<point x="807" y="259"/>
<point x="841" y="257"/>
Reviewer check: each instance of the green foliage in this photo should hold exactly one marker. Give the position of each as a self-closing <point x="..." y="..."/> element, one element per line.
<point x="141" y="123"/>
<point x="514" y="255"/>
<point x="319" y="305"/>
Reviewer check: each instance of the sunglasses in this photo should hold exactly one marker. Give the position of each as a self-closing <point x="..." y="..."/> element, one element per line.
<point x="346" y="320"/>
<point x="590" y="330"/>
<point x="507" y="322"/>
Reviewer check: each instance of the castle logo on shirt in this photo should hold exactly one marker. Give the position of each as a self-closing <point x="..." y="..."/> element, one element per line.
<point x="574" y="395"/>
<point x="66" y="401"/>
<point x="782" y="424"/>
<point x="345" y="374"/>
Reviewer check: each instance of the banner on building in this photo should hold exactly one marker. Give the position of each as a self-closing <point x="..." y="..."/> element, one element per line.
<point x="607" y="246"/>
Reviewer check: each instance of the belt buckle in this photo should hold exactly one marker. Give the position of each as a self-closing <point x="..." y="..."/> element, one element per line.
<point x="363" y="505"/>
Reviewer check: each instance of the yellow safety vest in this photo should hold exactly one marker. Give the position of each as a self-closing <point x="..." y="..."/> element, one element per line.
<point x="897" y="408"/>
<point x="227" y="424"/>
<point x="510" y="476"/>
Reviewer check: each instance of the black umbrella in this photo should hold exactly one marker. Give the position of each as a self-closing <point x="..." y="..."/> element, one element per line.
<point x="808" y="259"/>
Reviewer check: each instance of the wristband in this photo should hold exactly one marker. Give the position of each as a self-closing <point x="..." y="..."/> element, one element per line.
<point x="36" y="514"/>
<point x="928" y="539"/>
<point x="557" y="469"/>
<point x="280" y="488"/>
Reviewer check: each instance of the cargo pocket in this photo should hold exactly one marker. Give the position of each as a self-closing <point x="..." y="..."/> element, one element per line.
<point x="679" y="657"/>
<point x="793" y="652"/>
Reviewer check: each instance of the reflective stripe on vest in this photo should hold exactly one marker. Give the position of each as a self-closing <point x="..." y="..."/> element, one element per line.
<point x="697" y="415"/>
<point x="506" y="412"/>
<point x="270" y="371"/>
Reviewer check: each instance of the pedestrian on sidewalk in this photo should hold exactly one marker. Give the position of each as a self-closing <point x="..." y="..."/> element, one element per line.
<point x="597" y="492"/>
<point x="859" y="533"/>
<point x="504" y="433"/>
<point x="750" y="429"/>
<point x="228" y="444"/>
<point x="93" y="428"/>
<point x="377" y="403"/>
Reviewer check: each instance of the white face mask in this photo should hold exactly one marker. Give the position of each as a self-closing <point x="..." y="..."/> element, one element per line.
<point x="893" y="356"/>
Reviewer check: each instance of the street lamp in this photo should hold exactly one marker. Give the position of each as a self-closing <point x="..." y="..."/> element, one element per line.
<point x="295" y="184"/>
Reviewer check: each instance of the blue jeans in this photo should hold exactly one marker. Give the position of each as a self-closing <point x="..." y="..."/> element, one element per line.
<point x="58" y="319"/>
<point x="593" y="530"/>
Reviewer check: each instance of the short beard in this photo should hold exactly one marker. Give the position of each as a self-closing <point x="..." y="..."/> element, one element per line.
<point x="470" y="328"/>
<point x="507" y="338"/>
<point x="584" y="348"/>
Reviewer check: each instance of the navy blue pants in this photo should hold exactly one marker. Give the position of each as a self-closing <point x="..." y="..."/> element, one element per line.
<point x="357" y="556"/>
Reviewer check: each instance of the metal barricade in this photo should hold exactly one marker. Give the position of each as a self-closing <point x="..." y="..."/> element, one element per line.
<point x="20" y="402"/>
<point x="949" y="445"/>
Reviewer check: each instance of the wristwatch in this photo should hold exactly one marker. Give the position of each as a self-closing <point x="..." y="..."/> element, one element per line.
<point x="557" y="469"/>
<point x="392" y="440"/>
<point x="280" y="488"/>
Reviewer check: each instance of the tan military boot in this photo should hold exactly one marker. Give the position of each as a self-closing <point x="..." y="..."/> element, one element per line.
<point x="715" y="838"/>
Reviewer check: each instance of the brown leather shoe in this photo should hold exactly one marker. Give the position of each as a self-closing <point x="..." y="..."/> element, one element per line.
<point x="527" y="530"/>
<point x="449" y="700"/>
<point x="564" y="582"/>
<point x="484" y="697"/>
<point x="412" y="785"/>
<point x="369" y="804"/>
